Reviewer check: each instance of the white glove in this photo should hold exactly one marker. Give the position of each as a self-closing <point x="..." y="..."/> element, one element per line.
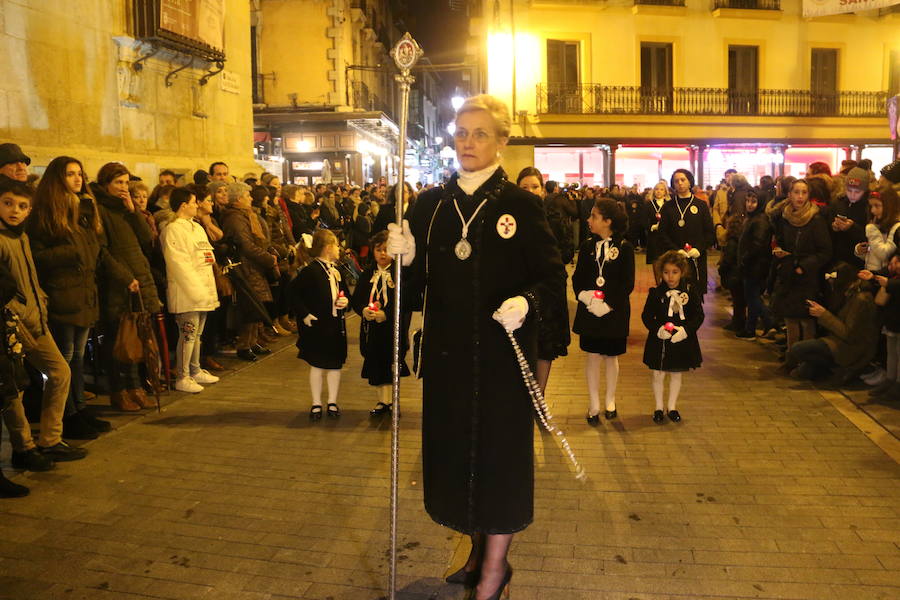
<point x="654" y="227"/>
<point x="511" y="313"/>
<point x="341" y="302"/>
<point x="662" y="334"/>
<point x="586" y="297"/>
<point x="679" y="335"/>
<point x="599" y="308"/>
<point x="401" y="241"/>
<point x="308" y="319"/>
<point x="693" y="253"/>
<point x="380" y="316"/>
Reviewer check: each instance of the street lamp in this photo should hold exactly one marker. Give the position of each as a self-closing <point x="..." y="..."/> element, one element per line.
<point x="438" y="141"/>
<point x="451" y="128"/>
<point x="456" y="102"/>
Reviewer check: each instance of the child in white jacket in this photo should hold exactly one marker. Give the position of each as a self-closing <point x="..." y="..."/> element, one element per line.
<point x="881" y="233"/>
<point x="191" y="287"/>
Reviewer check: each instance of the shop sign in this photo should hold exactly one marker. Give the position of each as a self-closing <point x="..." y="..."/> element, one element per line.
<point x="230" y="82"/>
<point x="821" y="8"/>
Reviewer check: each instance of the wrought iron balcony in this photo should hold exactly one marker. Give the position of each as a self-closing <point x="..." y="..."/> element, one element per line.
<point x="748" y="4"/>
<point x="363" y="99"/>
<point x="588" y="99"/>
<point x="660" y="2"/>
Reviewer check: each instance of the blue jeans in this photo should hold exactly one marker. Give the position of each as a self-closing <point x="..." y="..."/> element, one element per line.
<point x="71" y="341"/>
<point x="756" y="309"/>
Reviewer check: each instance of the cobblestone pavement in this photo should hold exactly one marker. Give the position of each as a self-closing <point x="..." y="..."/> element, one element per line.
<point x="765" y="490"/>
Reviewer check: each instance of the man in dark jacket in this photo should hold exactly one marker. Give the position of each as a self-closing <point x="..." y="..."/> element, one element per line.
<point x="13" y="163"/>
<point x="851" y="214"/>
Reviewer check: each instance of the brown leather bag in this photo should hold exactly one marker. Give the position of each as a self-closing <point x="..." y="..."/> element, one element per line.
<point x="129" y="348"/>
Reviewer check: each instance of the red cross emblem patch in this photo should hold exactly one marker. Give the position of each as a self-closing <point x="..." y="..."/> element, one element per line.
<point x="506" y="226"/>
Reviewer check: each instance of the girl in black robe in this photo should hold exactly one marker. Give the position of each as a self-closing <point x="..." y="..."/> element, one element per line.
<point x="372" y="300"/>
<point x="603" y="281"/>
<point x="319" y="296"/>
<point x="672" y="315"/>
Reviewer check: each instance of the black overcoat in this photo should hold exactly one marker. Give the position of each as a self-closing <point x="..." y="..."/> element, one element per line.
<point x="618" y="274"/>
<point x="655" y="246"/>
<point x="698" y="231"/>
<point x="663" y="355"/>
<point x="810" y="249"/>
<point x="477" y="422"/>
<point x="324" y="343"/>
<point x="755" y="247"/>
<point x="376" y="340"/>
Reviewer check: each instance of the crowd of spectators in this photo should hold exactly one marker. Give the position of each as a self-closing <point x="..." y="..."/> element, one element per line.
<point x="212" y="258"/>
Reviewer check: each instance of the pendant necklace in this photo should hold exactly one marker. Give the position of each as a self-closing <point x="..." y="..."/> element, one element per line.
<point x="463" y="248"/>
<point x="681" y="220"/>
<point x="604" y="246"/>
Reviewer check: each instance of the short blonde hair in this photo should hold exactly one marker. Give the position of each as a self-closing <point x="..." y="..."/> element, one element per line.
<point x="321" y="239"/>
<point x="494" y="107"/>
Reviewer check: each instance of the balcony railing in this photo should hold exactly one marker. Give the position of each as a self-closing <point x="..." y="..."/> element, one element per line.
<point x="363" y="99"/>
<point x="587" y="99"/>
<point x="749" y="4"/>
<point x="660" y="2"/>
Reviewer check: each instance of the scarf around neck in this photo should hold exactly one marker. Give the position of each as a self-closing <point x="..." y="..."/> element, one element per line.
<point x="799" y="218"/>
<point x="255" y="227"/>
<point x="470" y="181"/>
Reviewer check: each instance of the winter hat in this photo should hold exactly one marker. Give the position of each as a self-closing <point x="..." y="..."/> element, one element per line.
<point x="11" y="153"/>
<point x="865" y="164"/>
<point x="857" y="178"/>
<point x="891" y="172"/>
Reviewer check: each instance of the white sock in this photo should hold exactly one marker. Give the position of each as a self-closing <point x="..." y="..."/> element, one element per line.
<point x="612" y="378"/>
<point x="334" y="384"/>
<point x="658" y="379"/>
<point x="385" y="394"/>
<point x="592" y="373"/>
<point x="315" y="385"/>
<point x="674" y="389"/>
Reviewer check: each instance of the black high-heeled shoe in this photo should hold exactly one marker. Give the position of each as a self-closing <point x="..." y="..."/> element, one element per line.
<point x="593" y="419"/>
<point x="503" y="590"/>
<point x="611" y="414"/>
<point x="468" y="579"/>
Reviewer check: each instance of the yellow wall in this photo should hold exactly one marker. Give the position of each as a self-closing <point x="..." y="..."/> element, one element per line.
<point x="293" y="45"/>
<point x="610" y="37"/>
<point x="66" y="87"/>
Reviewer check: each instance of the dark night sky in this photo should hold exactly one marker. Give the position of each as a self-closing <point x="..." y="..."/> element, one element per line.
<point x="440" y="31"/>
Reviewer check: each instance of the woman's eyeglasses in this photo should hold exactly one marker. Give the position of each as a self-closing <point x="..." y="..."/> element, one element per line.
<point x="479" y="135"/>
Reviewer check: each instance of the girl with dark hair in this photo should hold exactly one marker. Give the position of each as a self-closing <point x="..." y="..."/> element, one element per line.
<point x="882" y="232"/>
<point x="128" y="238"/>
<point x="65" y="233"/>
<point x="603" y="281"/>
<point x="686" y="223"/>
<point x="754" y="260"/>
<point x="553" y="328"/>
<point x="672" y="315"/>
<point x="372" y="300"/>
<point x="803" y="248"/>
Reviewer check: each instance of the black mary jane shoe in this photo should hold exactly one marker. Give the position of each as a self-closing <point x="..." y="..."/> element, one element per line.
<point x="333" y="410"/>
<point x="593" y="419"/>
<point x="674" y="416"/>
<point x="469" y="579"/>
<point x="380" y="409"/>
<point x="315" y="413"/>
<point x="610" y="414"/>
<point x="658" y="416"/>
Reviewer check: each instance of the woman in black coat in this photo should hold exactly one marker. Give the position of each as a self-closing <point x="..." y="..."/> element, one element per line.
<point x="553" y="321"/>
<point x="673" y="313"/>
<point x="373" y="301"/>
<point x="602" y="282"/>
<point x="754" y="262"/>
<point x="803" y="248"/>
<point x="491" y="263"/>
<point x="687" y="221"/>
<point x="319" y="296"/>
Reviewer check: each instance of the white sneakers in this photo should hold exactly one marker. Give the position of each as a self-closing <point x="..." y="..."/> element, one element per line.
<point x="192" y="384"/>
<point x="204" y="377"/>
<point x="187" y="384"/>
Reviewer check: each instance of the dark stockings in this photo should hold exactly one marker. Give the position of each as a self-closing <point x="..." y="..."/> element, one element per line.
<point x="494" y="565"/>
<point x="476" y="552"/>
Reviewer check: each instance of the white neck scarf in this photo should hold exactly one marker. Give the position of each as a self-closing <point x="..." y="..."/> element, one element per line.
<point x="333" y="277"/>
<point x="381" y="281"/>
<point x="469" y="181"/>
<point x="675" y="303"/>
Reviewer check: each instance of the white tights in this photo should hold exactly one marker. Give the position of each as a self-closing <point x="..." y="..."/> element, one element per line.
<point x="315" y="384"/>
<point x="592" y="372"/>
<point x="674" y="388"/>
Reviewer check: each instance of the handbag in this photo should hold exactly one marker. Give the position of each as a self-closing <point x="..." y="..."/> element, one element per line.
<point x="129" y="348"/>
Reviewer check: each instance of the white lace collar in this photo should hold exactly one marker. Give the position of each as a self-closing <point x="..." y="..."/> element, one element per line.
<point x="469" y="181"/>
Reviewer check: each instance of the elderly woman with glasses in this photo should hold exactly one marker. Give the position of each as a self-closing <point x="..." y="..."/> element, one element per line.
<point x="482" y="261"/>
